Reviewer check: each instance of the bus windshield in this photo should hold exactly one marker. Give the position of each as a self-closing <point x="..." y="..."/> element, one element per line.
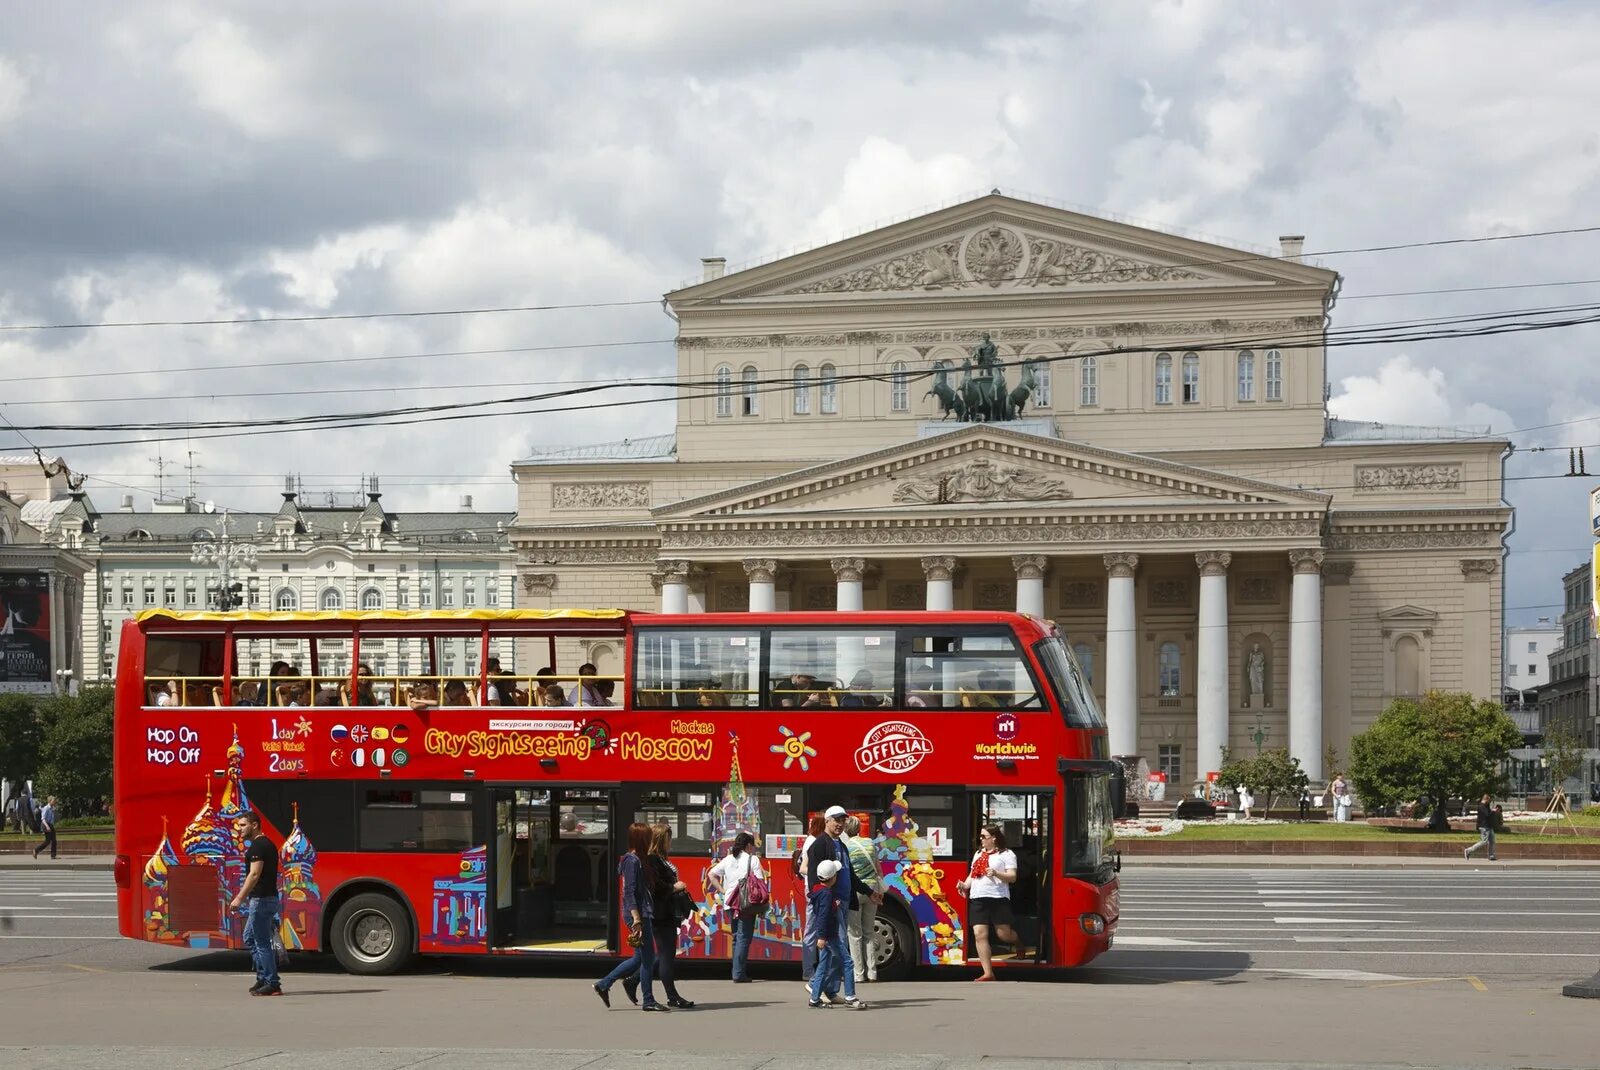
<point x="1078" y="704"/>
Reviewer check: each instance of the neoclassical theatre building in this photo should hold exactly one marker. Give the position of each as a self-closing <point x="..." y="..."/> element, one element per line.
<point x="1007" y="405"/>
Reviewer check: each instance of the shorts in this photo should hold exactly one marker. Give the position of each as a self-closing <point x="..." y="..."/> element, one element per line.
<point x="989" y="910"/>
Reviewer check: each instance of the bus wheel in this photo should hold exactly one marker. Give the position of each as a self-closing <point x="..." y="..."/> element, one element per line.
<point x="894" y="944"/>
<point x="371" y="934"/>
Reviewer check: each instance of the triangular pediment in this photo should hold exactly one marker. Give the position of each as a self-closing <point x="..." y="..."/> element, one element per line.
<point x="991" y="468"/>
<point x="998" y="243"/>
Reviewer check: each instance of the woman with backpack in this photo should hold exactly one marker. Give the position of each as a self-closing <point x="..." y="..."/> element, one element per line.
<point x="744" y="895"/>
<point x="673" y="907"/>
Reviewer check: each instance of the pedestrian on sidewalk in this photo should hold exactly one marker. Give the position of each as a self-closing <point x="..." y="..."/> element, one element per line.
<point x="822" y="933"/>
<point x="1246" y="801"/>
<point x="868" y="880"/>
<point x="640" y="912"/>
<point x="1488" y="819"/>
<point x="666" y="890"/>
<point x="828" y="847"/>
<point x="1341" y="798"/>
<point x="47" y="822"/>
<point x="1305" y="803"/>
<point x="259" y="896"/>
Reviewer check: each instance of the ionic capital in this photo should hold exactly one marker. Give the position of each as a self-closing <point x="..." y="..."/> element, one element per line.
<point x="1029" y="566"/>
<point x="1213" y="562"/>
<point x="1305" y="562"/>
<point x="1121" y="566"/>
<point x="1478" y="569"/>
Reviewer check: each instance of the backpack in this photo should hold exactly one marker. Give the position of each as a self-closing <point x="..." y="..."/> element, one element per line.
<point x="797" y="864"/>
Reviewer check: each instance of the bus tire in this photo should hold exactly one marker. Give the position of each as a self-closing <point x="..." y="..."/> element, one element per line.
<point x="895" y="942"/>
<point x="371" y="934"/>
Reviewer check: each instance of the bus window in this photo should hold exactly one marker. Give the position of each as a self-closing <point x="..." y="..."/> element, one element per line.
<point x="687" y="813"/>
<point x="183" y="672"/>
<point x="686" y="668"/>
<point x="407" y="819"/>
<point x="1078" y="704"/>
<point x="816" y="667"/>
<point x="969" y="671"/>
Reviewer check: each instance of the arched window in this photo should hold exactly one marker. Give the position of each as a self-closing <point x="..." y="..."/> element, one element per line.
<point x="1191" y="378"/>
<point x="829" y="390"/>
<point x="1088" y="381"/>
<point x="1247" y="375"/>
<point x="285" y="600"/>
<point x="1085" y="655"/>
<point x="371" y="598"/>
<point x="1171" y="663"/>
<point x="802" y="390"/>
<point x="1408" y="665"/>
<point x="899" y="388"/>
<point x="1274" y="375"/>
<point x="751" y="398"/>
<point x="1164" y="379"/>
<point x="1041" y="384"/>
<point x="724" y="390"/>
<point x="331" y="598"/>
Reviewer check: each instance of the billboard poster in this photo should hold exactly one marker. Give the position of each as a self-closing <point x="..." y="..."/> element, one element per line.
<point x="25" y="632"/>
<point x="1594" y="511"/>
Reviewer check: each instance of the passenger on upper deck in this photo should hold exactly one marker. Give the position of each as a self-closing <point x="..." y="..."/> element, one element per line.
<point x="541" y="683"/>
<point x="553" y="696"/>
<point x="585" y="694"/>
<point x="276" y="682"/>
<point x="456" y="694"/>
<point x="422" y="696"/>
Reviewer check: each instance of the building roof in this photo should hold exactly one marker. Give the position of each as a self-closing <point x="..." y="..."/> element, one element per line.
<point x="1339" y="431"/>
<point x="463" y="527"/>
<point x="41" y="515"/>
<point x="647" y="448"/>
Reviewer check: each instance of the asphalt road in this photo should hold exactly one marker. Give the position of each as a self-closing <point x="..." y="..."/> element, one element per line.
<point x="1457" y="966"/>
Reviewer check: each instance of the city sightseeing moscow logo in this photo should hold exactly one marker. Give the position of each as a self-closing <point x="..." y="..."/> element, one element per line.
<point x="893" y="747"/>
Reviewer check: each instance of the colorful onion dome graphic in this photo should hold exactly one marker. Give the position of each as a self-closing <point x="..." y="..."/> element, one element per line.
<point x="298" y="861"/>
<point x="206" y="840"/>
<point x="155" y="870"/>
<point x="235" y="803"/>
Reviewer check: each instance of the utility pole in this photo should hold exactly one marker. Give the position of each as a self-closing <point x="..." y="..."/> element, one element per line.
<point x="224" y="553"/>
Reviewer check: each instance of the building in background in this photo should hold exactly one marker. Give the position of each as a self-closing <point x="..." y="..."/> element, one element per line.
<point x="1525" y="669"/>
<point x="1008" y="405"/>
<point x="323" y="551"/>
<point x="41" y="589"/>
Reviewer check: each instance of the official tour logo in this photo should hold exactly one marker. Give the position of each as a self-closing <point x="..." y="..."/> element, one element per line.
<point x="893" y="747"/>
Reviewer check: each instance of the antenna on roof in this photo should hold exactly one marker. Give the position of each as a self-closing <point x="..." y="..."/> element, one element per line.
<point x="161" y="462"/>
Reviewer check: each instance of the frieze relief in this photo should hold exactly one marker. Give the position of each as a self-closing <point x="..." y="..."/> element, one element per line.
<point x="588" y="496"/>
<point x="590" y="555"/>
<point x="981" y="481"/>
<point x="973" y="534"/>
<point x="1413" y="540"/>
<point x="1407" y="478"/>
<point x="1014" y="336"/>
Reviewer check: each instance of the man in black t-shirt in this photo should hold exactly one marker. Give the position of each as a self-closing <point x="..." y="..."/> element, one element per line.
<point x="260" y="893"/>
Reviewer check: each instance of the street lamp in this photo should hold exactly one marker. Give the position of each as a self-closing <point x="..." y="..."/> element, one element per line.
<point x="63" y="681"/>
<point x="225" y="555"/>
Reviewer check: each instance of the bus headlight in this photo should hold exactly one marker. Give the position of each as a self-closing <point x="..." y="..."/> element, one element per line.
<point x="1093" y="924"/>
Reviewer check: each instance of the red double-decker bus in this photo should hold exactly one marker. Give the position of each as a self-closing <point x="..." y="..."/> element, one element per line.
<point x="425" y="812"/>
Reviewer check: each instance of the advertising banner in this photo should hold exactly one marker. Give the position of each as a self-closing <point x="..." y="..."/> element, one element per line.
<point x="25" y="632"/>
<point x="1594" y="511"/>
<point x="1594" y="584"/>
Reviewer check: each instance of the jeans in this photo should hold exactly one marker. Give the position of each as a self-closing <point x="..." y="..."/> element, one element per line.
<point x="643" y="963"/>
<point x="841" y="950"/>
<point x="859" y="940"/>
<point x="829" y="970"/>
<point x="744" y="931"/>
<point x="49" y="841"/>
<point x="1485" y="839"/>
<point x="262" y="914"/>
<point x="808" y="952"/>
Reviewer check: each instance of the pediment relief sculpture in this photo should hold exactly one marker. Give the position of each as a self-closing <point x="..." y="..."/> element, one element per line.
<point x="981" y="480"/>
<point x="995" y="256"/>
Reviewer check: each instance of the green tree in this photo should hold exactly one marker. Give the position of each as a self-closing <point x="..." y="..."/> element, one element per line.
<point x="75" y="749"/>
<point x="1445" y="744"/>
<point x="1563" y="751"/>
<point x="1271" y="772"/>
<point x="19" y="736"/>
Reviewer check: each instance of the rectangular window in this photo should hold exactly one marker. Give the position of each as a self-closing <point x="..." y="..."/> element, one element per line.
<point x="828" y="390"/>
<point x="1087" y="833"/>
<point x="1533" y="670"/>
<point x="107" y="596"/>
<point x="1247" y="376"/>
<point x="469" y="597"/>
<point x="802" y="391"/>
<point x="149" y="596"/>
<point x="1041" y="385"/>
<point x="254" y="600"/>
<point x="899" y="389"/>
<point x="169" y="597"/>
<point x="447" y="598"/>
<point x="1170" y="757"/>
<point x="1274" y="375"/>
<point x="1191" y="379"/>
<point x="424" y="596"/>
<point x="1513" y="670"/>
<point x="751" y="396"/>
<point x="492" y="598"/>
<point x="813" y="668"/>
<point x="188" y="600"/>
<point x="688" y="668"/>
<point x="1074" y="688"/>
<point x="968" y="671"/>
<point x="127" y="598"/>
<point x="1533" y="648"/>
<point x="411" y="819"/>
<point x="1089" y="379"/>
<point x="687" y="813"/>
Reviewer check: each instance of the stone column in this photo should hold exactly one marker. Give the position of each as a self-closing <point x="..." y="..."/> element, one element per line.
<point x="847" y="571"/>
<point x="941" y="572"/>
<point x="1030" y="583"/>
<point x="1478" y="649"/>
<point x="1211" y="676"/>
<point x="1122" y="661"/>
<point x="763" y="573"/>
<point x="1336" y="632"/>
<point x="1305" y="661"/>
<point x="674" y="579"/>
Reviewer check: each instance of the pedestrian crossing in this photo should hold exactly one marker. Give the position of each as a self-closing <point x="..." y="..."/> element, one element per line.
<point x="1370" y="918"/>
<point x="29" y="897"/>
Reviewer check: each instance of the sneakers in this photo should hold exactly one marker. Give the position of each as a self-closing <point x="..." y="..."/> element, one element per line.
<point x="630" y="988"/>
<point x="267" y="990"/>
<point x="258" y="986"/>
<point x="816" y="1004"/>
<point x="855" y="1004"/>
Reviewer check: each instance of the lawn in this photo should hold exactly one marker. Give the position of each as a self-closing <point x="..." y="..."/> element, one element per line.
<point x="1329" y="831"/>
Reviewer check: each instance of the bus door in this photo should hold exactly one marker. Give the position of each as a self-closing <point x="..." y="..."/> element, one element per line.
<point x="1024" y="817"/>
<point x="554" y="868"/>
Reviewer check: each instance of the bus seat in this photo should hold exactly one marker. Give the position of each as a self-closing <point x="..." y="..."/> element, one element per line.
<point x="573" y="883"/>
<point x="216" y="696"/>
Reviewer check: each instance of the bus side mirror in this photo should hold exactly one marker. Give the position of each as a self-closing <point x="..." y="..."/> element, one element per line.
<point x="1119" y="794"/>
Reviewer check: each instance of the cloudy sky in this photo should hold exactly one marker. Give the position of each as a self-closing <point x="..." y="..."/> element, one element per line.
<point x="225" y="160"/>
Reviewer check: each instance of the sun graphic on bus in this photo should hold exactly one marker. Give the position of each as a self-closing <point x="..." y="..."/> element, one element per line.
<point x="794" y="749"/>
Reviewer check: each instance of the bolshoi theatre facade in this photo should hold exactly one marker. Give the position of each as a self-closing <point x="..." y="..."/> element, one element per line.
<point x="1006" y="405"/>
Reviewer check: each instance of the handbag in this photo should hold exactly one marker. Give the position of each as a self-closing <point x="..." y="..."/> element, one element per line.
<point x="754" y="895"/>
<point x="683" y="906"/>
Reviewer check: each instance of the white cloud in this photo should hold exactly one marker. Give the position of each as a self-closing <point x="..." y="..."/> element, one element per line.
<point x="1402" y="393"/>
<point x="13" y="91"/>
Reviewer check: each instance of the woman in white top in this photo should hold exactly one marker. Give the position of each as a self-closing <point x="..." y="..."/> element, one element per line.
<point x="1246" y="801"/>
<point x="988" y="892"/>
<point x="739" y="863"/>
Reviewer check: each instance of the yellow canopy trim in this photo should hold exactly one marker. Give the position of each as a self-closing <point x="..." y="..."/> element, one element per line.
<point x="385" y="614"/>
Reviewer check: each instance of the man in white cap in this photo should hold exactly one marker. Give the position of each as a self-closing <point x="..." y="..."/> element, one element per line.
<point x="830" y="848"/>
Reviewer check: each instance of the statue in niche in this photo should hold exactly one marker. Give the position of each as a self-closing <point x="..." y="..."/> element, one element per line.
<point x="1255" y="676"/>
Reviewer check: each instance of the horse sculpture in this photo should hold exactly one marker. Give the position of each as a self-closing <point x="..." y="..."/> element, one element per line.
<point x="949" y="400"/>
<point x="1025" y="391"/>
